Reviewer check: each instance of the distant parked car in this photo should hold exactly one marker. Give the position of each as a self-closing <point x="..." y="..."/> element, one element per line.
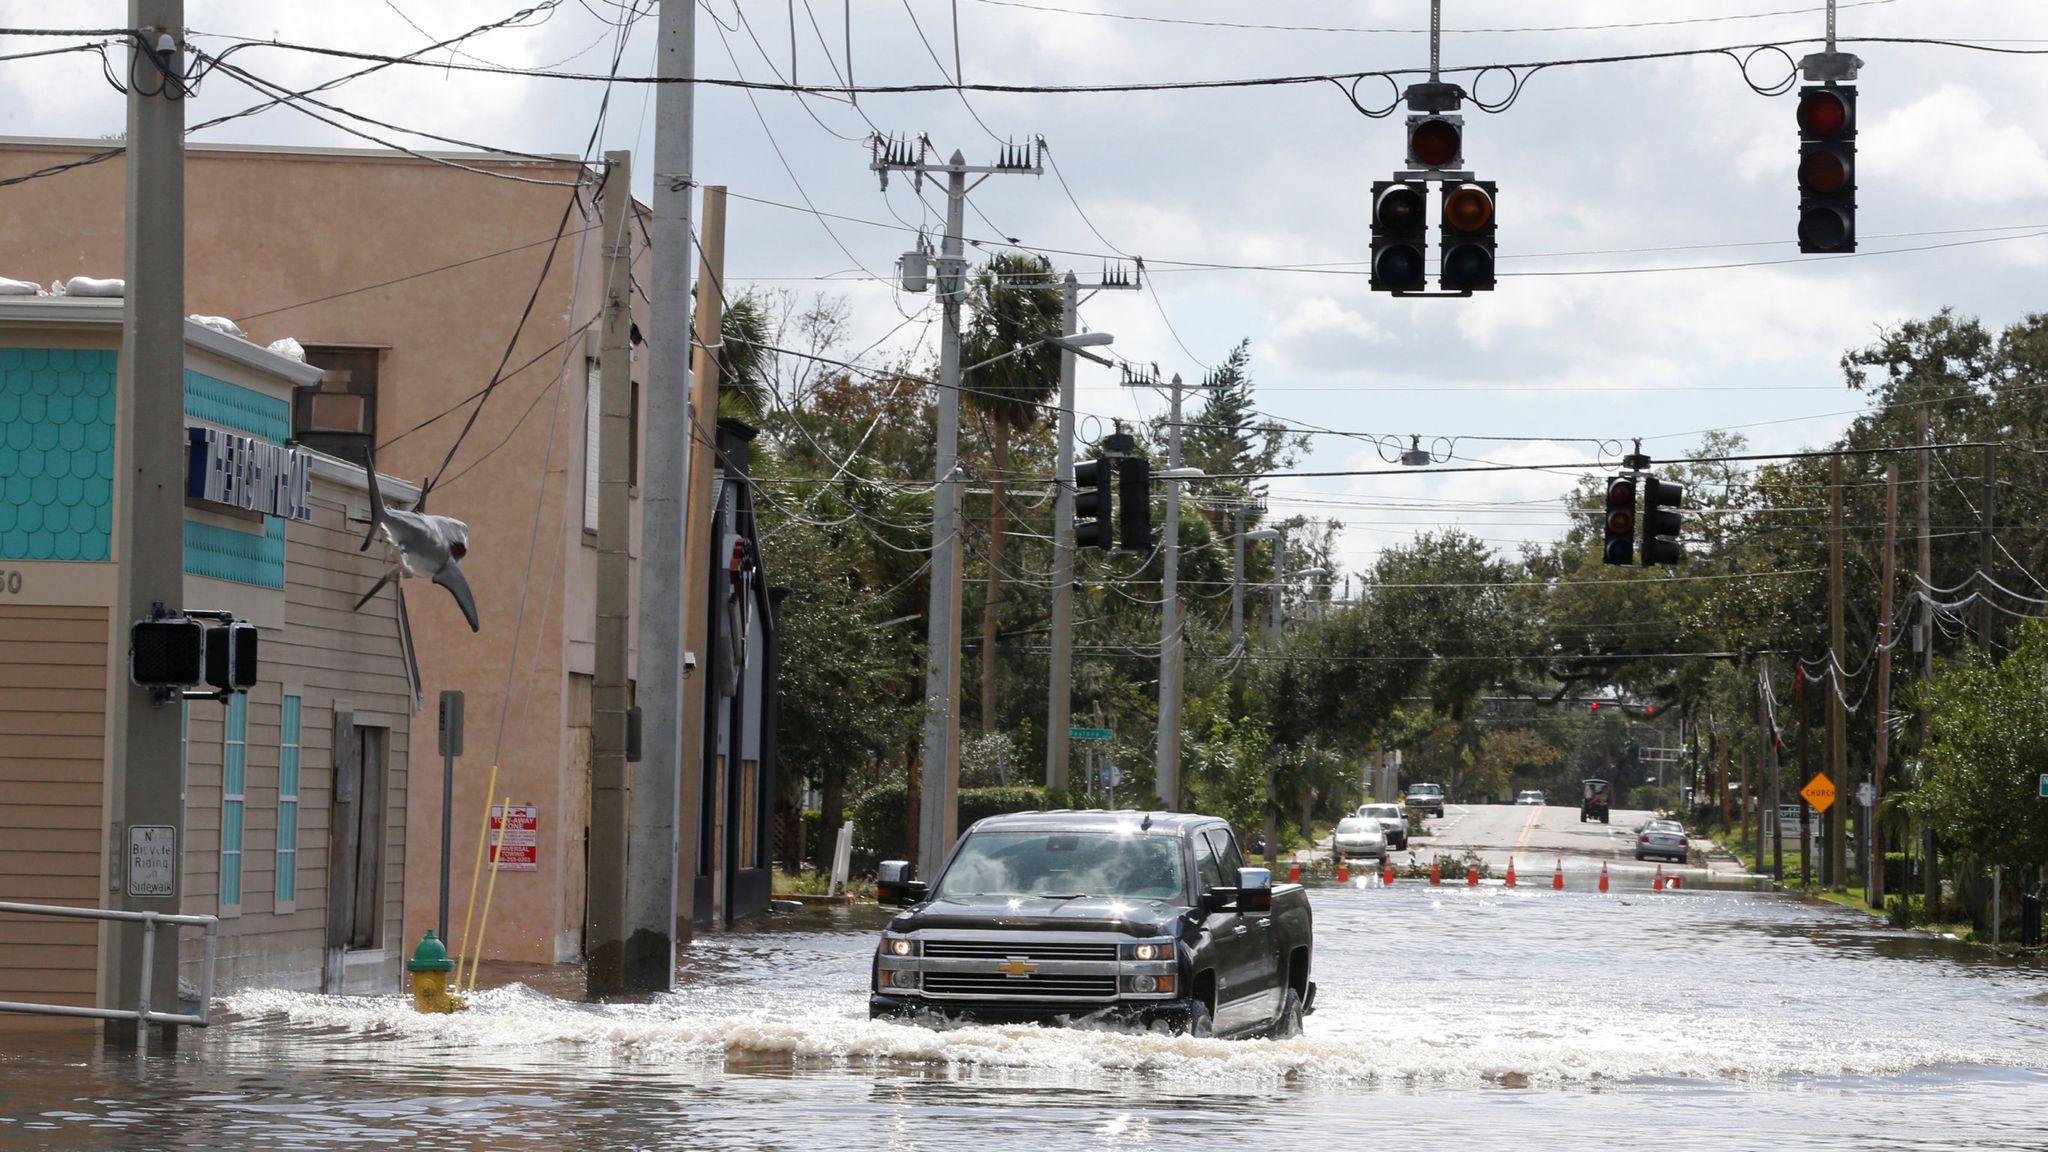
<point x="1663" y="838"/>
<point x="1427" y="797"/>
<point x="1529" y="796"/>
<point x="1392" y="821"/>
<point x="1361" y="836"/>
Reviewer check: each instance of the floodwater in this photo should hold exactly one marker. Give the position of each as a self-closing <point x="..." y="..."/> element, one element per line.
<point x="1446" y="1018"/>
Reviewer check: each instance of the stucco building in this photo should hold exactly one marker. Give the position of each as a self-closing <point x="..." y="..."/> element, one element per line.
<point x="451" y="312"/>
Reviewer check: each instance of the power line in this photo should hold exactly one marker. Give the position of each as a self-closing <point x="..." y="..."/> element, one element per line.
<point x="1341" y="28"/>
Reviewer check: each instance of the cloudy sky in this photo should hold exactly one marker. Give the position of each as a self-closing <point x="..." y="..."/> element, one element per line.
<point x="1651" y="286"/>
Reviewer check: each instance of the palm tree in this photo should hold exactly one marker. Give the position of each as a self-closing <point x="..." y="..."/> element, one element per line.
<point x="744" y="360"/>
<point x="1014" y="305"/>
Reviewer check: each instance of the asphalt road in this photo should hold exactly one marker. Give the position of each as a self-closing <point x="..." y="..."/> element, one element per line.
<point x="1539" y="839"/>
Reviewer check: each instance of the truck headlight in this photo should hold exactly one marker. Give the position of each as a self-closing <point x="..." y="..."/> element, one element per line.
<point x="899" y="946"/>
<point x="1148" y="984"/>
<point x="1149" y="950"/>
<point x="895" y="979"/>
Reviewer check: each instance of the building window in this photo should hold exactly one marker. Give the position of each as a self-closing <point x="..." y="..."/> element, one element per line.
<point x="234" y="757"/>
<point x="591" y="408"/>
<point x="288" y="806"/>
<point x="340" y="416"/>
<point x="633" y="438"/>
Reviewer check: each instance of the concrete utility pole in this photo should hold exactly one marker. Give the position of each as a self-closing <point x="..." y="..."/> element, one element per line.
<point x="938" y="799"/>
<point x="151" y="532"/>
<point x="1060" y="704"/>
<point x="665" y="795"/>
<point x="1805" y="774"/>
<point x="1770" y="748"/>
<point x="1279" y="585"/>
<point x="1170" y="640"/>
<point x="1930" y="876"/>
<point x="1838" y="719"/>
<point x="610" y="784"/>
<point x="1237" y="587"/>
<point x="1874" y="886"/>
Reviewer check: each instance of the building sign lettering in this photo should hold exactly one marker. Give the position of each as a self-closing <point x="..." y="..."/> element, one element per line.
<point x="253" y="475"/>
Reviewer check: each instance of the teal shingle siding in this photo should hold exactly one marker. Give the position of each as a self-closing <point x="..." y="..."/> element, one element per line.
<point x="56" y="453"/>
<point x="227" y="553"/>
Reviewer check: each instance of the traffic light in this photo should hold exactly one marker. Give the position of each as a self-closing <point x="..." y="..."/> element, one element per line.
<point x="1827" y="168"/>
<point x="1465" y="241"/>
<point x="1092" y="504"/>
<point x="1134" y="489"/>
<point x="1436" y="140"/>
<point x="1620" y="547"/>
<point x="231" y="657"/>
<point x="1661" y="499"/>
<point x="1399" y="219"/>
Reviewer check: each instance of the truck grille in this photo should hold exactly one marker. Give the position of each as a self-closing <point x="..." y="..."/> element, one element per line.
<point x="1035" y="985"/>
<point x="1029" y="950"/>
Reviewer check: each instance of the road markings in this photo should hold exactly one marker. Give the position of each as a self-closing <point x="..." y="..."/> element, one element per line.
<point x="1528" y="828"/>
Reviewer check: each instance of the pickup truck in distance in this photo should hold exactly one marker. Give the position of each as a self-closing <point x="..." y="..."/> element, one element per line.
<point x="1145" y="918"/>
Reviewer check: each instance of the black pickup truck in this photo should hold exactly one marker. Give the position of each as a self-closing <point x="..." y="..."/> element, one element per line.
<point x="1146" y="918"/>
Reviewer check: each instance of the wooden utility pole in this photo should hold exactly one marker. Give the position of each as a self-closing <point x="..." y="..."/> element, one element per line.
<point x="1881" y="753"/>
<point x="1930" y="876"/>
<point x="1838" y="720"/>
<point x="1743" y="803"/>
<point x="1720" y="747"/>
<point x="1770" y="751"/>
<point x="1986" y="517"/>
<point x="610" y="783"/>
<point x="1805" y="774"/>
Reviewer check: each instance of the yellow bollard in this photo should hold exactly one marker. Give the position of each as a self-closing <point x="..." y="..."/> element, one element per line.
<point x="429" y="967"/>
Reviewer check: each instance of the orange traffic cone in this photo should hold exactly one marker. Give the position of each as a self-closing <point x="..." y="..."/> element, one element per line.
<point x="1294" y="872"/>
<point x="1387" y="873"/>
<point x="1557" y="877"/>
<point x="1511" y="871"/>
<point x="1436" y="872"/>
<point x="1673" y="881"/>
<point x="1603" y="875"/>
<point x="1472" y="874"/>
<point x="1343" y="874"/>
<point x="1657" y="884"/>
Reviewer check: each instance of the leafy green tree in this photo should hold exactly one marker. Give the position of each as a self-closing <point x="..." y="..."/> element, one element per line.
<point x="1990" y="740"/>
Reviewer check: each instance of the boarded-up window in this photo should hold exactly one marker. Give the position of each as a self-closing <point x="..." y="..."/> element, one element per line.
<point x="234" y="763"/>
<point x="288" y="805"/>
<point x="340" y="416"/>
<point x="750" y="814"/>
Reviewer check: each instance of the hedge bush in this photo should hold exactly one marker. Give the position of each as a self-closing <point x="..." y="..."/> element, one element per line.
<point x="878" y="817"/>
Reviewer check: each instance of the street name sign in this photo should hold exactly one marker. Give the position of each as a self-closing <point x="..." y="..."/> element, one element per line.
<point x="1090" y="734"/>
<point x="2044" y="783"/>
<point x="1865" y="794"/>
<point x="1819" y="792"/>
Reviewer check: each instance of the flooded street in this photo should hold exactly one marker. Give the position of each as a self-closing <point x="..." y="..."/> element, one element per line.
<point x="1446" y="1018"/>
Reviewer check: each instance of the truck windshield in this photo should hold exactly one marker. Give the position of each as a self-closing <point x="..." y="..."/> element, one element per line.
<point x="1065" y="865"/>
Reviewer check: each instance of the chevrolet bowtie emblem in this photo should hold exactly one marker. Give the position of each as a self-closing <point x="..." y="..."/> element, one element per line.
<point x="1016" y="967"/>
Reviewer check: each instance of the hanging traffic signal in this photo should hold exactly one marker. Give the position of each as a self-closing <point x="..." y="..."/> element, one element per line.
<point x="1620" y="546"/>
<point x="1092" y="504"/>
<point x="1400" y="216"/>
<point x="1465" y="241"/>
<point x="1661" y="499"/>
<point x="1436" y="141"/>
<point x="1134" y="489"/>
<point x="1827" y="168"/>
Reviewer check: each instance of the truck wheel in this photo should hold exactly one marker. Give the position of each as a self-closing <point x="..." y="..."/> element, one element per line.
<point x="1289" y="1025"/>
<point x="1201" y="1020"/>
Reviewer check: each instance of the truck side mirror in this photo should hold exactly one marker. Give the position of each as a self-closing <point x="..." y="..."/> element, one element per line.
<point x="1254" y="890"/>
<point x="894" y="886"/>
<point x="1217" y="899"/>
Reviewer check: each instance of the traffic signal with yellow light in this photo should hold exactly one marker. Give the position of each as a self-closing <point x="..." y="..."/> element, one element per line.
<point x="1827" y="168"/>
<point x="1661" y="518"/>
<point x="1465" y="240"/>
<point x="1092" y="504"/>
<point x="1620" y="545"/>
<point x="1400" y="217"/>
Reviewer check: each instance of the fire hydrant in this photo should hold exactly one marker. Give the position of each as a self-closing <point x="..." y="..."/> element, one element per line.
<point x="430" y="966"/>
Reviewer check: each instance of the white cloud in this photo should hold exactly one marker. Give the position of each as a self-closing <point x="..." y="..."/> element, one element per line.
<point x="1949" y="146"/>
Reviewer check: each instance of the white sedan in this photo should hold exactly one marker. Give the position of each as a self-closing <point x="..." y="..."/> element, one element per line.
<point x="1361" y="836"/>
